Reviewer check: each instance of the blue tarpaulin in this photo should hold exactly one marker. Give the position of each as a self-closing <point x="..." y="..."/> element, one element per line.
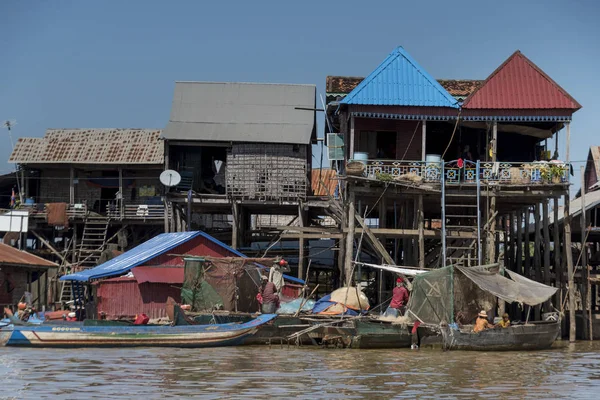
<point x="146" y="251"/>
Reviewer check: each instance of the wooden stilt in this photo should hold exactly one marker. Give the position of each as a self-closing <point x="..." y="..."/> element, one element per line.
<point x="585" y="271"/>
<point x="235" y="226"/>
<point x="519" y="253"/>
<point x="546" y="240"/>
<point x="570" y="272"/>
<point x="558" y="271"/>
<point x="421" y="228"/>
<point x="537" y="259"/>
<point x="301" y="243"/>
<point x="349" y="238"/>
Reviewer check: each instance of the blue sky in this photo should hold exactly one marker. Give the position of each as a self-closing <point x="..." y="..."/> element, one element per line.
<point x="74" y="64"/>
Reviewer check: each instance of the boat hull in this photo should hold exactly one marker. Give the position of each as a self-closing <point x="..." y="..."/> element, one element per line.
<point x="5" y="334"/>
<point x="366" y="334"/>
<point x="534" y="336"/>
<point x="136" y="336"/>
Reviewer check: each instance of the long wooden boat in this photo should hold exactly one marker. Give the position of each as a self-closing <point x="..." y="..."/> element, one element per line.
<point x="63" y="335"/>
<point x="364" y="333"/>
<point x="6" y="331"/>
<point x="537" y="335"/>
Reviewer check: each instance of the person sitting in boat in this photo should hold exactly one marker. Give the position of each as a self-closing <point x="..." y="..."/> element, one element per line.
<point x="399" y="300"/>
<point x="269" y="297"/>
<point x="504" y="322"/>
<point x="482" y="323"/>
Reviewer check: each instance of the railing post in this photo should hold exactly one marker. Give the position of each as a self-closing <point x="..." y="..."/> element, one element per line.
<point x="443" y="191"/>
<point x="478" y="213"/>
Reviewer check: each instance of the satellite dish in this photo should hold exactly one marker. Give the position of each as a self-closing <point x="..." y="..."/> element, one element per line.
<point x="170" y="178"/>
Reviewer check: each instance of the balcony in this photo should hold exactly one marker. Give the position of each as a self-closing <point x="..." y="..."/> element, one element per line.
<point x="135" y="211"/>
<point x="460" y="172"/>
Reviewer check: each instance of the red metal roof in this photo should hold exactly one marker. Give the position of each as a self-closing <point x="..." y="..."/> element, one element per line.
<point x="10" y="255"/>
<point x="520" y="84"/>
<point x="158" y="275"/>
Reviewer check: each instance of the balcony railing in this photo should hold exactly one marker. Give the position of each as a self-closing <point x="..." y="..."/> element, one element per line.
<point x="138" y="211"/>
<point x="468" y="172"/>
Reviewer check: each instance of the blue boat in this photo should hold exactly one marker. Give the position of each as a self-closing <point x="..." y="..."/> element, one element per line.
<point x="77" y="335"/>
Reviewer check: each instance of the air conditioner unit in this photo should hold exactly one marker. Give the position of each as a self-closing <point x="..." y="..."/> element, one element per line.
<point x="335" y="146"/>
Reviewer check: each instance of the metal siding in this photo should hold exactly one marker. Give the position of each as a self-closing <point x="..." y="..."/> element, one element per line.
<point x="400" y="81"/>
<point x="91" y="146"/>
<point x="520" y="84"/>
<point x="242" y="112"/>
<point x="127" y="298"/>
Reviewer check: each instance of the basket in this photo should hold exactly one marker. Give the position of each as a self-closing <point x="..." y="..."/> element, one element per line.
<point x="355" y="168"/>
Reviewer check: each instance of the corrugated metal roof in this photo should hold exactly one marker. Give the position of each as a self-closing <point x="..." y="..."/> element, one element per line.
<point x="134" y="257"/>
<point x="400" y="81"/>
<point x="145" y="252"/>
<point x="520" y="84"/>
<point x="12" y="256"/>
<point x="243" y="112"/>
<point x="91" y="146"/>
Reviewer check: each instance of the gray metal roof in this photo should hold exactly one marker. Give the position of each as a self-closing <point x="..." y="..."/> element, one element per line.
<point x="242" y="112"/>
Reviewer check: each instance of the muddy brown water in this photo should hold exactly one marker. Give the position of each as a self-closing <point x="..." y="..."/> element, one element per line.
<point x="565" y="371"/>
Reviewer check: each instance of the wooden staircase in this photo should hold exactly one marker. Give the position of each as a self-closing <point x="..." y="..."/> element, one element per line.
<point x="93" y="242"/>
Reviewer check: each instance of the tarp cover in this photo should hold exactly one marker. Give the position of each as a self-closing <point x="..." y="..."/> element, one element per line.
<point x="519" y="289"/>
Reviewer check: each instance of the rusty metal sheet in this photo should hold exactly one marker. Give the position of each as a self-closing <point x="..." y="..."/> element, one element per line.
<point x="91" y="146"/>
<point x="10" y="255"/>
<point x="158" y="275"/>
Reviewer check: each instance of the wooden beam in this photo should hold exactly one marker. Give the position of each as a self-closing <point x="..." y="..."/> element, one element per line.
<point x="558" y="270"/>
<point x="351" y="146"/>
<point x="49" y="246"/>
<point x="570" y="272"/>
<point x="519" y="253"/>
<point x="71" y="185"/>
<point x="350" y="235"/>
<point x="537" y="259"/>
<point x="301" y="242"/>
<point x="423" y="140"/>
<point x="546" y="239"/>
<point x="377" y="246"/>
<point x="235" y="231"/>
<point x="568" y="142"/>
<point x="421" y="230"/>
<point x="585" y="284"/>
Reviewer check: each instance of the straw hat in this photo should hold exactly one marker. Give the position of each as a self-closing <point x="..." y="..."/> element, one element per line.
<point x="483" y="314"/>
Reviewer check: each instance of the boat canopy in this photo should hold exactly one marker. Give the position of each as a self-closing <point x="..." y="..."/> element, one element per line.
<point x="458" y="294"/>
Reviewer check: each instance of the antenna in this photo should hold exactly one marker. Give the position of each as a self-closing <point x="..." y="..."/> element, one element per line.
<point x="8" y="124"/>
<point x="170" y="178"/>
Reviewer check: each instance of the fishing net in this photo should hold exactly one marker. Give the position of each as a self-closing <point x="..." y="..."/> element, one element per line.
<point x="458" y="294"/>
<point x="227" y="283"/>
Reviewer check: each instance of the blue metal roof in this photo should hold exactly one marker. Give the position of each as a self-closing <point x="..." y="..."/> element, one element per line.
<point x="400" y="81"/>
<point x="146" y="251"/>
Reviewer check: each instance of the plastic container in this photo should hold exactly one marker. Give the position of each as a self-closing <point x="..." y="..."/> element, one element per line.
<point x="361" y="157"/>
<point x="433" y="158"/>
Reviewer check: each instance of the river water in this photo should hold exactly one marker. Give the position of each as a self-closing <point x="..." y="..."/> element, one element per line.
<point x="566" y="371"/>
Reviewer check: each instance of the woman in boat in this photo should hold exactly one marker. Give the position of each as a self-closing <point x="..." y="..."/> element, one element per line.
<point x="269" y="297"/>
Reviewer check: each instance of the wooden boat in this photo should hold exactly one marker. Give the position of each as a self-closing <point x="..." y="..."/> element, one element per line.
<point x="64" y="335"/>
<point x="363" y="333"/>
<point x="6" y="331"/>
<point x="532" y="336"/>
<point x="276" y="331"/>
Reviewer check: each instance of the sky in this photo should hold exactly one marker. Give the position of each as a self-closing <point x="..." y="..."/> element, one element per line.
<point x="113" y="64"/>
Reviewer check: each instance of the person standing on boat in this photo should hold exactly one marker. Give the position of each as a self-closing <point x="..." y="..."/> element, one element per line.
<point x="399" y="300"/>
<point x="269" y="297"/>
<point x="276" y="273"/>
<point x="482" y="323"/>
